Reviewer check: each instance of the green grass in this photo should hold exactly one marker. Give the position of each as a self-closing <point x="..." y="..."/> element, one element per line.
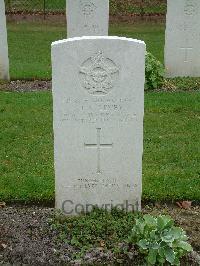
<point x="171" y="152"/>
<point x="36" y="5"/>
<point x="171" y="168"/>
<point x="30" y="44"/>
<point x="171" y="146"/>
<point x="26" y="168"/>
<point x="30" y="49"/>
<point x="153" y="34"/>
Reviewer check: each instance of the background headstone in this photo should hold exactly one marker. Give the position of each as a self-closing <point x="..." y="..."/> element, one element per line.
<point x="87" y="18"/>
<point x="182" y="40"/>
<point x="98" y="92"/>
<point x="4" y="62"/>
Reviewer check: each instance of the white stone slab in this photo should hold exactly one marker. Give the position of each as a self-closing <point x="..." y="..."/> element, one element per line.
<point x="98" y="93"/>
<point x="4" y="62"/>
<point x="182" y="40"/>
<point x="87" y="18"/>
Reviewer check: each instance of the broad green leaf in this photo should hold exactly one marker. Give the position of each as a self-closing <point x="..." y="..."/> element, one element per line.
<point x="155" y="245"/>
<point x="176" y="232"/>
<point x="167" y="236"/>
<point x="150" y="220"/>
<point x="169" y="254"/>
<point x="153" y="234"/>
<point x="161" y="252"/>
<point x="152" y="256"/>
<point x="143" y="243"/>
<point x="161" y="260"/>
<point x="164" y="221"/>
<point x="184" y="245"/>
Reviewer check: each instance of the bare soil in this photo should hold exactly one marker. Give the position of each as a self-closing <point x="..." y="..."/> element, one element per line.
<point x="61" y="18"/>
<point x="26" y="86"/>
<point x="27" y="239"/>
<point x="46" y="85"/>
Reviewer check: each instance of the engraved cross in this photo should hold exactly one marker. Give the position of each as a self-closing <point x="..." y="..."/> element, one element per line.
<point x="99" y="146"/>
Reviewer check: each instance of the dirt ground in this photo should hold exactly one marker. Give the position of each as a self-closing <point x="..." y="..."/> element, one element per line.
<point x="26" y="238"/>
<point x="46" y="85"/>
<point x="26" y="86"/>
<point x="61" y="18"/>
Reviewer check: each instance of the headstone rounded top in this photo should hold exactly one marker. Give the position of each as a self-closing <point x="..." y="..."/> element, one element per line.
<point x="97" y="38"/>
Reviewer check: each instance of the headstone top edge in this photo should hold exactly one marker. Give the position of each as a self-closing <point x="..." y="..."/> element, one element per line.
<point x="56" y="43"/>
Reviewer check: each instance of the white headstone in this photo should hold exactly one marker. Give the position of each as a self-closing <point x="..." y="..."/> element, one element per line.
<point x="4" y="62"/>
<point x="98" y="93"/>
<point x="87" y="18"/>
<point x="182" y="41"/>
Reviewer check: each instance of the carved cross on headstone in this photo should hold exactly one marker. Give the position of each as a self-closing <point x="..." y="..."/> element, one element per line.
<point x="98" y="146"/>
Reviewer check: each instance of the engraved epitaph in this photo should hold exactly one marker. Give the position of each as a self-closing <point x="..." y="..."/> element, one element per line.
<point x="87" y="18"/>
<point x="4" y="62"/>
<point x="98" y="134"/>
<point x="182" y="38"/>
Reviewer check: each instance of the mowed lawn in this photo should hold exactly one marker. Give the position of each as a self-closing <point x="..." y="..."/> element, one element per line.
<point x="30" y="44"/>
<point x="171" y="165"/>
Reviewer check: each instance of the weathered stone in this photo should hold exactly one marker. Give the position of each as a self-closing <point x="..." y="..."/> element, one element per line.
<point x="182" y="41"/>
<point x="87" y="18"/>
<point x="98" y="93"/>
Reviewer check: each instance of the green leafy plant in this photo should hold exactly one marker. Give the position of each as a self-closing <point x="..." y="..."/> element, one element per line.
<point x="159" y="240"/>
<point x="154" y="72"/>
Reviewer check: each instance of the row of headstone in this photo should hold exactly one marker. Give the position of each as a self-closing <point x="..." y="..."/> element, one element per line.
<point x="4" y="61"/>
<point x="98" y="92"/>
<point x="182" y="38"/>
<point x="90" y="18"/>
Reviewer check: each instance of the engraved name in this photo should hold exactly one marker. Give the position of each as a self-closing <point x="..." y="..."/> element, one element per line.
<point x="86" y="111"/>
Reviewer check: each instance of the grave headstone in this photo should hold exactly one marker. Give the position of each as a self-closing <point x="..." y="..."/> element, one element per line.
<point x="182" y="40"/>
<point x="98" y="93"/>
<point x="4" y="62"/>
<point x="87" y="18"/>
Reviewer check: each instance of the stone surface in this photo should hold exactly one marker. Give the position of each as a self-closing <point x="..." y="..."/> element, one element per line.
<point x="98" y="93"/>
<point x="182" y="41"/>
<point x="87" y="18"/>
<point x="4" y="62"/>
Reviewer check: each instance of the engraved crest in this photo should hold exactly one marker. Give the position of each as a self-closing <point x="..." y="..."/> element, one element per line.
<point x="189" y="9"/>
<point x="88" y="8"/>
<point x="98" y="74"/>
